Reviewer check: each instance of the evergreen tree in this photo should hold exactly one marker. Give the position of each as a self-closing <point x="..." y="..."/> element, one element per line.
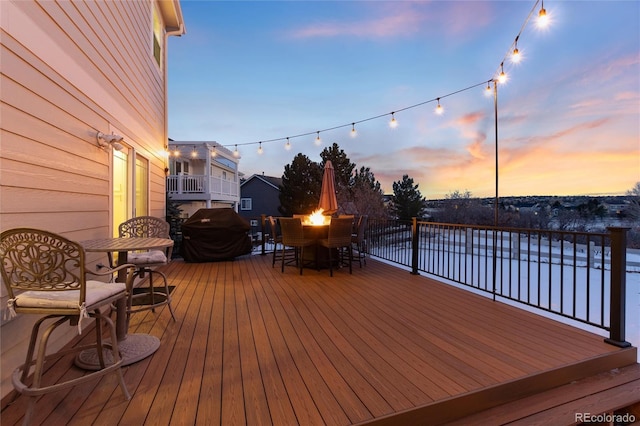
<point x="343" y="169"/>
<point x="301" y="183"/>
<point x="407" y="200"/>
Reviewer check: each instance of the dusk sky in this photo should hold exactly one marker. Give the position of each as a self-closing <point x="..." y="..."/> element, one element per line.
<point x="569" y="113"/>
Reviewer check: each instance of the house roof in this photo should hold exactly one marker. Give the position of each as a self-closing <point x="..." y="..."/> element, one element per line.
<point x="275" y="182"/>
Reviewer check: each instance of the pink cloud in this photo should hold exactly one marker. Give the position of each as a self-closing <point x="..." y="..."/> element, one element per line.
<point x="470" y="119"/>
<point x="406" y="18"/>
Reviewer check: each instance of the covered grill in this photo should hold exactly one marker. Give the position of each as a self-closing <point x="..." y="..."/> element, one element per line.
<point x="215" y="234"/>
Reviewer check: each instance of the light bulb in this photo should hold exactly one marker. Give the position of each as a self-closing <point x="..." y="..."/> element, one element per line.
<point x="287" y="146"/>
<point x="487" y="91"/>
<point x="353" y="130"/>
<point x="516" y="56"/>
<point x="194" y="153"/>
<point x="439" y="109"/>
<point x="543" y="18"/>
<point x="502" y="78"/>
<point x="260" y="148"/>
<point x="318" y="140"/>
<point x="236" y="153"/>
<point x="393" y="123"/>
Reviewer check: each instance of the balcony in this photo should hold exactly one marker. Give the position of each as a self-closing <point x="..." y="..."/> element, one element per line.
<point x="202" y="188"/>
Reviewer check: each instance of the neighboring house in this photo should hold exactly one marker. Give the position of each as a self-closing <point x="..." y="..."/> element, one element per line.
<point x="71" y="70"/>
<point x="259" y="195"/>
<point x="202" y="175"/>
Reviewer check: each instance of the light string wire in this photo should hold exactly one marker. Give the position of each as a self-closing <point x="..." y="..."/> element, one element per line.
<point x="436" y="99"/>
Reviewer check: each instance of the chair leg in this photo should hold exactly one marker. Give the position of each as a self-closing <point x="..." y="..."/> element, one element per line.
<point x="275" y="249"/>
<point x="301" y="259"/>
<point x="99" y="345"/>
<point x="32" y="346"/>
<point x="168" y="293"/>
<point x="115" y="351"/>
<point x="283" y="248"/>
<point x="330" y="262"/>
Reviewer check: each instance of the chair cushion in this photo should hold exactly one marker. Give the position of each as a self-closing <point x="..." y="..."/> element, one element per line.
<point x="96" y="291"/>
<point x="147" y="258"/>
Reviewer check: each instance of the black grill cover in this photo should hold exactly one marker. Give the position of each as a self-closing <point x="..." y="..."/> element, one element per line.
<point x="215" y="234"/>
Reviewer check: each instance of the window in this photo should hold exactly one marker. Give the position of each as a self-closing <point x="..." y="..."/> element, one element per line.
<point x="157" y="37"/>
<point x="245" y="204"/>
<point x="121" y="180"/>
<point x="142" y="186"/>
<point x="182" y="167"/>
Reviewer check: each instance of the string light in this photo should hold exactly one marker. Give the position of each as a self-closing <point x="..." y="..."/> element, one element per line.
<point x="214" y="153"/>
<point x="393" y="123"/>
<point x="260" y="148"/>
<point x="502" y="78"/>
<point x="487" y="90"/>
<point x="236" y="153"/>
<point x="194" y="153"/>
<point x="176" y="153"/>
<point x="543" y="18"/>
<point x="516" y="56"/>
<point x="513" y="54"/>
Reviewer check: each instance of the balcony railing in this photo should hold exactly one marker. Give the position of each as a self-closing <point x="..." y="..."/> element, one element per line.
<point x="201" y="184"/>
<point x="576" y="275"/>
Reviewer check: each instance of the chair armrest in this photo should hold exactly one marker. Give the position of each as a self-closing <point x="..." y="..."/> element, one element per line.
<point x="130" y="273"/>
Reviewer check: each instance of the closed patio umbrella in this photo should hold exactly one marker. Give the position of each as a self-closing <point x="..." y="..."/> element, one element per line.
<point x="328" y="201"/>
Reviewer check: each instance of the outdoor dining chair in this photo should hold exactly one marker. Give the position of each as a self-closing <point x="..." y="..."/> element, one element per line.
<point x="339" y="238"/>
<point x="148" y="297"/>
<point x="276" y="239"/>
<point x="358" y="240"/>
<point x="45" y="274"/>
<point x="293" y="238"/>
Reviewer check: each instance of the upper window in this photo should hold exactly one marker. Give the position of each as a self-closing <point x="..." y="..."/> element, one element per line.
<point x="157" y="37"/>
<point x="245" y="204"/>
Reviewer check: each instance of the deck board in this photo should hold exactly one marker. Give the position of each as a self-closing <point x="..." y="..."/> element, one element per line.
<point x="252" y="345"/>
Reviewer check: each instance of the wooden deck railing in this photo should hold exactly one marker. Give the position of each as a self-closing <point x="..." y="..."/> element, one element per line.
<point x="580" y="276"/>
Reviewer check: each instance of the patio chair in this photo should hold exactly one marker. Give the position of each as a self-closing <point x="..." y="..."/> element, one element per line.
<point x="45" y="274"/>
<point x="358" y="239"/>
<point x="339" y="238"/>
<point x="293" y="238"/>
<point x="276" y="238"/>
<point x="147" y="262"/>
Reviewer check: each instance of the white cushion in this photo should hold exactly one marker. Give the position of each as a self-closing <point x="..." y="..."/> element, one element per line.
<point x="147" y="258"/>
<point x="96" y="291"/>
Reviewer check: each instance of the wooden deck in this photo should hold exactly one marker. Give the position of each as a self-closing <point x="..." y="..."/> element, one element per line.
<point x="255" y="346"/>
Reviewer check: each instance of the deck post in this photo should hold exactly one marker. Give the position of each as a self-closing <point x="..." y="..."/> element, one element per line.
<point x="618" y="286"/>
<point x="414" y="246"/>
<point x="263" y="227"/>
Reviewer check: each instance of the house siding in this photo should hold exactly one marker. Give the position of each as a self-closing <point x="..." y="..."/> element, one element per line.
<point x="265" y="199"/>
<point x="69" y="70"/>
